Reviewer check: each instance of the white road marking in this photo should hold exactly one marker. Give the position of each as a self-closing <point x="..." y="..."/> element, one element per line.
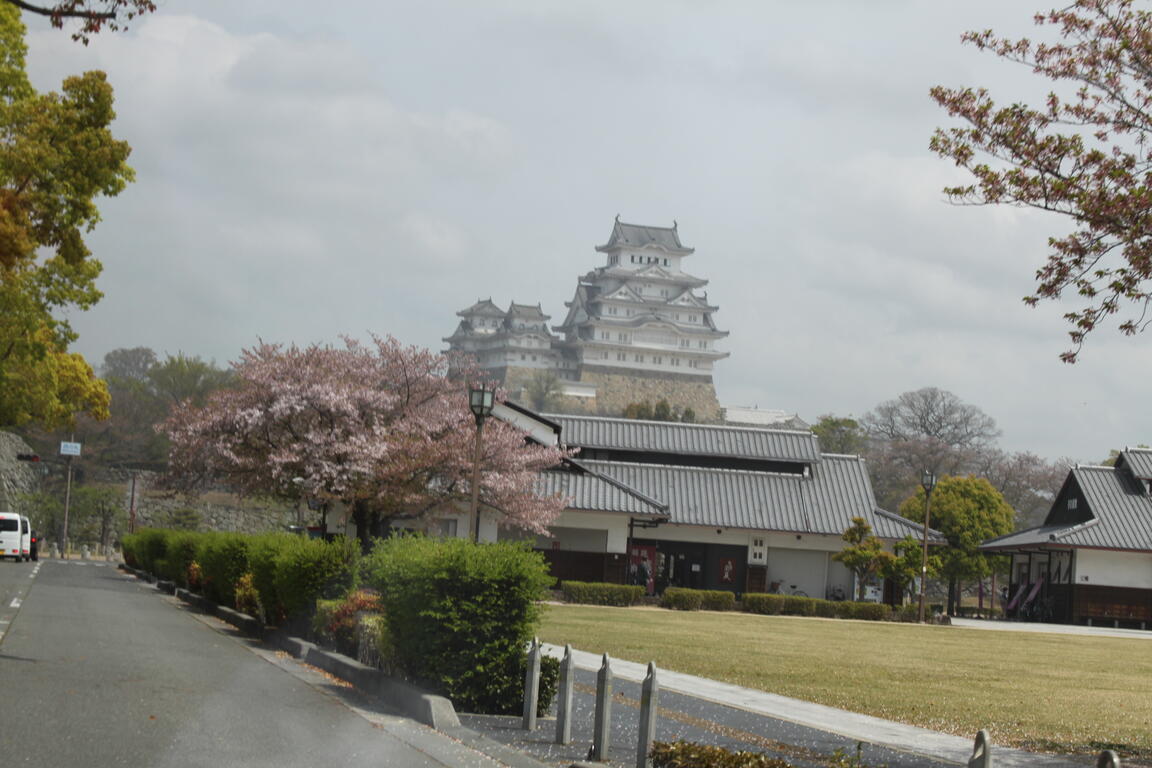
<point x="15" y="603"/>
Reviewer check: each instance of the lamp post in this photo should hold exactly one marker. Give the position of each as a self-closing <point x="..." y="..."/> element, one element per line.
<point x="480" y="403"/>
<point x="928" y="482"/>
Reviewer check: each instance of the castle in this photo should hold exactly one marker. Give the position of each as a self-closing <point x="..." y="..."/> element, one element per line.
<point x="636" y="331"/>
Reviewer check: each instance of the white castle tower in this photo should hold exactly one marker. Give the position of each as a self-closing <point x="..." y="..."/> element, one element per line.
<point x="636" y="330"/>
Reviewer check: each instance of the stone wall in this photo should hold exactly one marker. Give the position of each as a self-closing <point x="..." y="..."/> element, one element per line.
<point x="615" y="391"/>
<point x="16" y="477"/>
<point x="215" y="510"/>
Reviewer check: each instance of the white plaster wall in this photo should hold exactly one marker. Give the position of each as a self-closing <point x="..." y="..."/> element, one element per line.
<point x="801" y="569"/>
<point x="1114" y="569"/>
<point x="615" y="526"/>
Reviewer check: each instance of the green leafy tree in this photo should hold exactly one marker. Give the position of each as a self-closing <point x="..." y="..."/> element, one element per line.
<point x="864" y="554"/>
<point x="57" y="155"/>
<point x="907" y="560"/>
<point x="688" y="416"/>
<point x="641" y="411"/>
<point x="662" y="411"/>
<point x="179" y="378"/>
<point x="1084" y="155"/>
<point x="543" y="391"/>
<point x="841" y="434"/>
<point x="967" y="511"/>
<point x="97" y="515"/>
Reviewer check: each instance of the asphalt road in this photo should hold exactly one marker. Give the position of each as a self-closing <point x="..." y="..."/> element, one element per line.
<point x="97" y="669"/>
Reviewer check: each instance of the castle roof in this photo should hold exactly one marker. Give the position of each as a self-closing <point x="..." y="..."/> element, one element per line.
<point x="527" y="311"/>
<point x="482" y="307"/>
<point x="641" y="236"/>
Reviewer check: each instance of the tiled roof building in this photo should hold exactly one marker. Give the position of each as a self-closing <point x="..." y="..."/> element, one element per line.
<point x="1091" y="560"/>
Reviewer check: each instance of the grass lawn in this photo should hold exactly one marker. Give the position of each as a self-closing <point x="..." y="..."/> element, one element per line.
<point x="1054" y="693"/>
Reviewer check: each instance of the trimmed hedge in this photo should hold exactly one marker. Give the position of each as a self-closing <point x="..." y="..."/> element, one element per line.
<point x="795" y="605"/>
<point x="460" y="615"/>
<point x="768" y="604"/>
<point x="686" y="754"/>
<point x="598" y="593"/>
<point x="680" y="599"/>
<point x="223" y="558"/>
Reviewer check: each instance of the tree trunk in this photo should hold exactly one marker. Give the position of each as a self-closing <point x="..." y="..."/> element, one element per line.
<point x="952" y="587"/>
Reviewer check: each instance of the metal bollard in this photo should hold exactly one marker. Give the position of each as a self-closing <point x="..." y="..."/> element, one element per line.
<point x="532" y="685"/>
<point x="981" y="751"/>
<point x="602" y="727"/>
<point x="564" y="697"/>
<point x="1108" y="759"/>
<point x="649" y="705"/>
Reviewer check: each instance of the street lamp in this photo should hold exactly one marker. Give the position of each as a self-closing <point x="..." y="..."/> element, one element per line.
<point x="480" y="403"/>
<point x="928" y="482"/>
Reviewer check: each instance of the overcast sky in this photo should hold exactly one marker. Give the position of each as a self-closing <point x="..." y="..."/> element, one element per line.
<point x="303" y="174"/>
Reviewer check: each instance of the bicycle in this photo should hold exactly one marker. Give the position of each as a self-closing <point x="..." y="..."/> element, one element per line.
<point x="778" y="588"/>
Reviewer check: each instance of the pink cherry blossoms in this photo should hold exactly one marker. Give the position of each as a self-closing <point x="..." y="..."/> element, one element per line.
<point x="379" y="427"/>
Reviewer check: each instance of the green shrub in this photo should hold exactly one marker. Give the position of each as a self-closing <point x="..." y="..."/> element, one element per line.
<point x="460" y="614"/>
<point x="795" y="605"/>
<point x="152" y="546"/>
<point x="130" y="547"/>
<point x="182" y="547"/>
<point x="263" y="550"/>
<point x="685" y="754"/>
<point x="223" y="559"/>
<point x="595" y="593"/>
<point x="759" y="602"/>
<point x="549" y="682"/>
<point x="909" y="613"/>
<point x="871" y="611"/>
<point x="827" y="609"/>
<point x="680" y="599"/>
<point x="717" y="600"/>
<point x="308" y="569"/>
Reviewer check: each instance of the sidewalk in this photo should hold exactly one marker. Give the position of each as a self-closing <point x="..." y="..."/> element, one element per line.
<point x="928" y="746"/>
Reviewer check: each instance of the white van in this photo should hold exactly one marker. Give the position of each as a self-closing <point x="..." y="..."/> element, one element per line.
<point x="15" y="536"/>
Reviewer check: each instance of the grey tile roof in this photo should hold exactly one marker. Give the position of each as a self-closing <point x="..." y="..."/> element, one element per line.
<point x="824" y="502"/>
<point x="482" y="307"/>
<point x="591" y="492"/>
<point x="688" y="439"/>
<point x="1139" y="460"/>
<point x="1121" y="516"/>
<point x="640" y="235"/>
<point x="531" y="311"/>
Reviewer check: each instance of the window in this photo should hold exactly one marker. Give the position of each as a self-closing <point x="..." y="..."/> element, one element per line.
<point x="692" y="364"/>
<point x="621" y="356"/>
<point x="683" y="342"/>
<point x="676" y="362"/>
<point x="639" y="358"/>
<point x="1072" y="503"/>
<point x="665" y="262"/>
<point x="622" y="337"/>
<point x="658" y="360"/>
<point x="702" y="344"/>
<point x="604" y="335"/>
<point x="611" y="310"/>
<point x="691" y="318"/>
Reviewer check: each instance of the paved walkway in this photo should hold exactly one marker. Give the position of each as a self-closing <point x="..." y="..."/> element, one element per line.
<point x="908" y="739"/>
<point x="1054" y="629"/>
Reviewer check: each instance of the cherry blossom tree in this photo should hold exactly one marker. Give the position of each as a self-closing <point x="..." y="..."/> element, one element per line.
<point x="379" y="427"/>
<point x="1084" y="155"/>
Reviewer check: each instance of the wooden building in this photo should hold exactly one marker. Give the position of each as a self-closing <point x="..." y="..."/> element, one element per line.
<point x="1091" y="560"/>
